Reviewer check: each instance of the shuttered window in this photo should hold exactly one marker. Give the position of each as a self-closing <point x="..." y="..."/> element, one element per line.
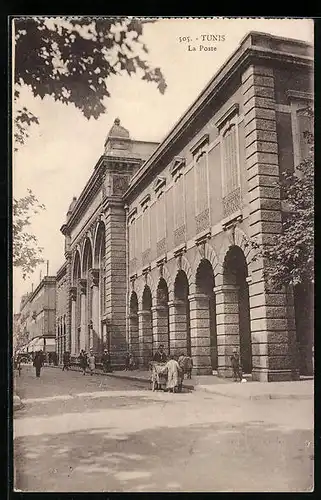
<point x="230" y="168"/>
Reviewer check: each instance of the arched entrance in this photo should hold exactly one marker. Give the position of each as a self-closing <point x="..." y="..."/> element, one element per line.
<point x="86" y="326"/>
<point x="76" y="306"/>
<point x="161" y="317"/>
<point x="133" y="339"/>
<point x="182" y="331"/>
<point x="99" y="304"/>
<point x="235" y="273"/>
<point x="205" y="285"/>
<point x="146" y="328"/>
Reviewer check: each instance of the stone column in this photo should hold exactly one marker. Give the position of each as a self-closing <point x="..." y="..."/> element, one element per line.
<point x="200" y="333"/>
<point x="227" y="326"/>
<point x="272" y="333"/>
<point x="115" y="265"/>
<point x="94" y="337"/>
<point x="69" y="303"/>
<point x="83" y="322"/>
<point x="145" y="337"/>
<point x="73" y="296"/>
<point x="270" y="326"/>
<point x="133" y="335"/>
<point x="177" y="326"/>
<point x="160" y="327"/>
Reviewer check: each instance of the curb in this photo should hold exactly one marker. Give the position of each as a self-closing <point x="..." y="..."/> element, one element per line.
<point x="203" y="388"/>
<point x="256" y="397"/>
<point x="124" y="377"/>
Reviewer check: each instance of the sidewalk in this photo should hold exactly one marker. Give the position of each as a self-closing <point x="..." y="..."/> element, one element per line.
<point x="301" y="389"/>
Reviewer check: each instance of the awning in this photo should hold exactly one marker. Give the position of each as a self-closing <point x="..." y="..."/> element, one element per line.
<point x="32" y="344"/>
<point x="39" y="343"/>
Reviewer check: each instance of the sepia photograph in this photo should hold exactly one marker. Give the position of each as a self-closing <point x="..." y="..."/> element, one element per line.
<point x="162" y="254"/>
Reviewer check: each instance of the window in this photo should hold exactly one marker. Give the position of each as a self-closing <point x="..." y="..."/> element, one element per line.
<point x="132" y="238"/>
<point x="159" y="186"/>
<point x="161" y="220"/>
<point x="179" y="202"/>
<point x="145" y="223"/>
<point x="301" y="123"/>
<point x="231" y="180"/>
<point x="231" y="191"/>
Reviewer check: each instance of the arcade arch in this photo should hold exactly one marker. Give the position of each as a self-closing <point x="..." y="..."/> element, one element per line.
<point x="235" y="273"/>
<point x="205" y="284"/>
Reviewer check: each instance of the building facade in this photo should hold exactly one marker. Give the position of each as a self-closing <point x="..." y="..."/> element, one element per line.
<point x="157" y="245"/>
<point x="37" y="313"/>
<point x="62" y="292"/>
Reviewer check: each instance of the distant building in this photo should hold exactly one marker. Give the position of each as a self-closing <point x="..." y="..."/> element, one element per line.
<point x="62" y="292"/>
<point x="156" y="245"/>
<point x="37" y="315"/>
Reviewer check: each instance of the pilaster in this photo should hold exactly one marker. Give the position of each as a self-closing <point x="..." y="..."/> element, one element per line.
<point x="227" y="326"/>
<point x="200" y="333"/>
<point x="160" y="327"/>
<point x="272" y="346"/>
<point x="145" y="337"/>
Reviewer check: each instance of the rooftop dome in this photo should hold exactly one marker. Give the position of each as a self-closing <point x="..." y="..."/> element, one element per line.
<point x="118" y="131"/>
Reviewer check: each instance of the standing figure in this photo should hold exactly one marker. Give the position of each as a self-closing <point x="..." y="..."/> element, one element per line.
<point x="236" y="366"/>
<point x="160" y="355"/>
<point x="127" y="359"/>
<point x="38" y="362"/>
<point x="131" y="361"/>
<point x="83" y="361"/>
<point x="66" y="361"/>
<point x="91" y="361"/>
<point x="174" y="375"/>
<point x="106" y="361"/>
<point x="186" y="365"/>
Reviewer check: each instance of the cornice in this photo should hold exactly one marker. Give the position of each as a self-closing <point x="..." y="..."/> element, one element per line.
<point x="244" y="56"/>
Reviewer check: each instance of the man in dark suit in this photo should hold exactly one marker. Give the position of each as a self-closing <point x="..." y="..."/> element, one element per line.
<point x="160" y="355"/>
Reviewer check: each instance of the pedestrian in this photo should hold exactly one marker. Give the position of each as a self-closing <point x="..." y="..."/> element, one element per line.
<point x="131" y="361"/>
<point x="160" y="355"/>
<point x="83" y="361"/>
<point x="186" y="364"/>
<point x="66" y="361"/>
<point x="17" y="364"/>
<point x="106" y="361"/>
<point x="236" y="365"/>
<point x="38" y="362"/>
<point x="174" y="375"/>
<point x="91" y="361"/>
<point x="127" y="359"/>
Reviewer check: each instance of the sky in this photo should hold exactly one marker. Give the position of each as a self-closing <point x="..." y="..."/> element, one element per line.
<point x="61" y="152"/>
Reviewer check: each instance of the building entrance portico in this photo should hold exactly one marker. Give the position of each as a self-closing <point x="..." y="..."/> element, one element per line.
<point x="205" y="285"/>
<point x="179" y="316"/>
<point x="233" y="313"/>
<point x="145" y="328"/>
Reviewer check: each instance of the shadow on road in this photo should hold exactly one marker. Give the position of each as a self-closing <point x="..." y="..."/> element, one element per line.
<point x="213" y="457"/>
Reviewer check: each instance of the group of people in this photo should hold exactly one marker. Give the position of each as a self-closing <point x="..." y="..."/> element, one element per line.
<point x="176" y="366"/>
<point x="88" y="360"/>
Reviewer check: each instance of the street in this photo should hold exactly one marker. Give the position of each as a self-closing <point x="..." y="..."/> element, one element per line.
<point x="103" y="434"/>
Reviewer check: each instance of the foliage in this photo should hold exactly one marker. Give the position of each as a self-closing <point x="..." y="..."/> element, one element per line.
<point x="73" y="59"/>
<point x="20" y="337"/>
<point x="26" y="253"/>
<point x="290" y="259"/>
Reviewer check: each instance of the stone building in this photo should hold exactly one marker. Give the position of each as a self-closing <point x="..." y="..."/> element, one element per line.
<point x="157" y="243"/>
<point x="37" y="315"/>
<point x="62" y="292"/>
